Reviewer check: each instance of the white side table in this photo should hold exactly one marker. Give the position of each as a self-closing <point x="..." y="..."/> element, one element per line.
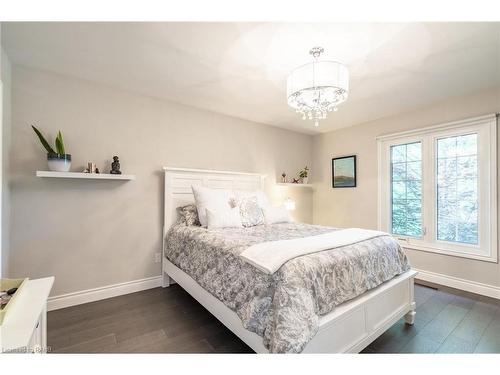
<point x="24" y="329"/>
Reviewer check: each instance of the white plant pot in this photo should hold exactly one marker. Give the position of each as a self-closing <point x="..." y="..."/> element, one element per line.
<point x="59" y="163"/>
<point x="305" y="180"/>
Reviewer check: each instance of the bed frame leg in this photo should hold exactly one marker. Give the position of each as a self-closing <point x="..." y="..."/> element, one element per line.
<point x="165" y="280"/>
<point x="410" y="315"/>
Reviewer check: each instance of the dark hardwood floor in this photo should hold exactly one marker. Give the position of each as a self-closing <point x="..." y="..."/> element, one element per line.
<point x="170" y="321"/>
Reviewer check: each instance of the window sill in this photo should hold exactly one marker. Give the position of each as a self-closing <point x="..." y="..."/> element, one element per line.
<point x="493" y="258"/>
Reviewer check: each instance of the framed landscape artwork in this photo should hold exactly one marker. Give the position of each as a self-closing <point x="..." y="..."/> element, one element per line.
<point x="344" y="172"/>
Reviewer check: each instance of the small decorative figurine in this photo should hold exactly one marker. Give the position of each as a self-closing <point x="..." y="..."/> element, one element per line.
<point x="97" y="170"/>
<point x="115" y="166"/>
<point x="283" y="177"/>
<point x="295" y="181"/>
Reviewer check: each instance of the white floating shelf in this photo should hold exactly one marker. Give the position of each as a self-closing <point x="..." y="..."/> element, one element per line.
<point x="289" y="184"/>
<point x="88" y="176"/>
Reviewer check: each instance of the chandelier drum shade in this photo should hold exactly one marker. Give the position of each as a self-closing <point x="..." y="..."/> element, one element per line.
<point x="316" y="88"/>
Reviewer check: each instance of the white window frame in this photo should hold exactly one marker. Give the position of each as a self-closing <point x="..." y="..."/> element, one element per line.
<point x="486" y="128"/>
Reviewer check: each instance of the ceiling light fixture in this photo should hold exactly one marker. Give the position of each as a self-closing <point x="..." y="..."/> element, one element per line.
<point x="316" y="88"/>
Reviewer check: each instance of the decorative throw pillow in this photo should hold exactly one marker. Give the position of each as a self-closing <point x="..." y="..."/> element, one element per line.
<point x="224" y="218"/>
<point x="250" y="212"/>
<point x="274" y="215"/>
<point x="212" y="199"/>
<point x="262" y="199"/>
<point x="188" y="215"/>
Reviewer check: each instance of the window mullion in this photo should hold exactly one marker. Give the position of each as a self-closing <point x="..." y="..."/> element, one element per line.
<point x="429" y="189"/>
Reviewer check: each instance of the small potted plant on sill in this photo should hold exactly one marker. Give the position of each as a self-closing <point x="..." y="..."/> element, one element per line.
<point x="303" y="174"/>
<point x="58" y="160"/>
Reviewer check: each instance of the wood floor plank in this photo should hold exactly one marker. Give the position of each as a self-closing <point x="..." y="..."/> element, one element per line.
<point x="199" y="347"/>
<point x="146" y="343"/>
<point x="455" y="345"/>
<point x="422" y="295"/>
<point x="490" y="341"/>
<point x="225" y="341"/>
<point x="96" y="345"/>
<point x="123" y="323"/>
<point x="464" y="301"/>
<point x="434" y="305"/>
<point x="472" y="327"/>
<point x="432" y="336"/>
<point x="110" y="306"/>
<point x="169" y="320"/>
<point x="420" y="344"/>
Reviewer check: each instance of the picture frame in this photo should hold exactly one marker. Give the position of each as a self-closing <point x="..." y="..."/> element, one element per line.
<point x="344" y="172"/>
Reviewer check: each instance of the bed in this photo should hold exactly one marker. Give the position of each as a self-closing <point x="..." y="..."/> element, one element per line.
<point x="281" y="311"/>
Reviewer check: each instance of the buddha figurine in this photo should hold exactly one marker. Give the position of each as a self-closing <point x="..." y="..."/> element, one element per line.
<point x="115" y="166"/>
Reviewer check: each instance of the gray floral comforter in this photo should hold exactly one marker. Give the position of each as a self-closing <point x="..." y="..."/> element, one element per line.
<point x="283" y="308"/>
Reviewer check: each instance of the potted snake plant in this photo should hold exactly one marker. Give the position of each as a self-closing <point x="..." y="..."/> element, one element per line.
<point x="58" y="160"/>
<point x="304" y="175"/>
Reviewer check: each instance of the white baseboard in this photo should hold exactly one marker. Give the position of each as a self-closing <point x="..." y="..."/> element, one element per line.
<point x="108" y="291"/>
<point x="96" y="294"/>
<point x="457" y="283"/>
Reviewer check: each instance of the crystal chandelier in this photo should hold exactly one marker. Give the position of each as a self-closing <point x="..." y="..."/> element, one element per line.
<point x="316" y="88"/>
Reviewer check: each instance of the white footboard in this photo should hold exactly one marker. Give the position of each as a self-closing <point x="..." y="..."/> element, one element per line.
<point x="350" y="328"/>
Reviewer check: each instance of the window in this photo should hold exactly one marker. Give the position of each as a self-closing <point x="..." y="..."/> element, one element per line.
<point x="406" y="189"/>
<point x="457" y="199"/>
<point x="437" y="188"/>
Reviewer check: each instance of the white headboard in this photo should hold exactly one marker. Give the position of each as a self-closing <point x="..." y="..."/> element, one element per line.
<point x="178" y="182"/>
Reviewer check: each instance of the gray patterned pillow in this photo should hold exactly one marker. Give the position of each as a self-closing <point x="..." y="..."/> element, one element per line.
<point x="188" y="215"/>
<point x="250" y="212"/>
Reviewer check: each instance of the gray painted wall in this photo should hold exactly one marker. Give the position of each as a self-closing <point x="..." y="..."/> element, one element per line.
<point x="95" y="233"/>
<point x="5" y="79"/>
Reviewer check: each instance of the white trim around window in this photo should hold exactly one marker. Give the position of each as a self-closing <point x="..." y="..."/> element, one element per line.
<point x="484" y="246"/>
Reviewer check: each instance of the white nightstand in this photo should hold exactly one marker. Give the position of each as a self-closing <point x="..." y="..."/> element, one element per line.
<point x="24" y="329"/>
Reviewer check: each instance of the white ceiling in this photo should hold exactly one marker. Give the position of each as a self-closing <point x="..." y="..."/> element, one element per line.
<point x="240" y="69"/>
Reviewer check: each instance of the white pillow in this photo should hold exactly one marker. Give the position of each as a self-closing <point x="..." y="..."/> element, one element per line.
<point x="274" y="215"/>
<point x="224" y="218"/>
<point x="261" y="197"/>
<point x="212" y="199"/>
